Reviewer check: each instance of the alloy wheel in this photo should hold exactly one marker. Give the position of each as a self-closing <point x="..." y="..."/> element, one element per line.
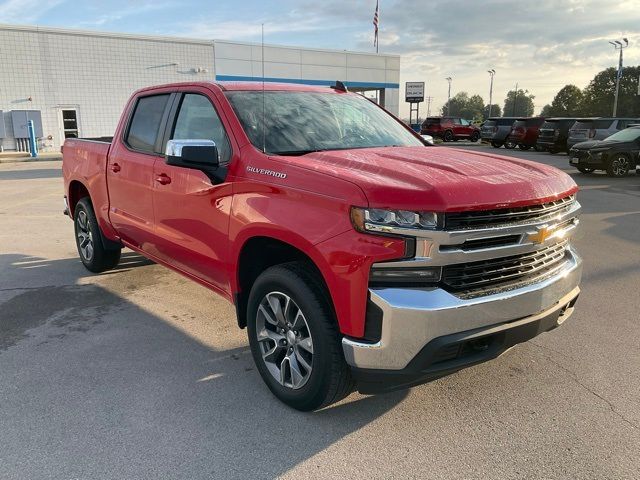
<point x="285" y="340"/>
<point x="84" y="236"/>
<point x="620" y="166"/>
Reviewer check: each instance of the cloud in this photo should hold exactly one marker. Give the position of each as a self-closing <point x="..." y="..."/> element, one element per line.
<point x="21" y="11"/>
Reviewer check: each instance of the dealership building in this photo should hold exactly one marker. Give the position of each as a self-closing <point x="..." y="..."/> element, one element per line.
<point x="75" y="83"/>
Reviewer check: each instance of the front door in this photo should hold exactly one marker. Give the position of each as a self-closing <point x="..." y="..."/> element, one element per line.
<point x="191" y="211"/>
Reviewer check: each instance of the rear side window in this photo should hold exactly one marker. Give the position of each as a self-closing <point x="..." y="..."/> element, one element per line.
<point x="145" y="122"/>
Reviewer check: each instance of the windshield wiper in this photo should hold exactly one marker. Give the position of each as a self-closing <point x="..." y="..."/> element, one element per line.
<point x="295" y="152"/>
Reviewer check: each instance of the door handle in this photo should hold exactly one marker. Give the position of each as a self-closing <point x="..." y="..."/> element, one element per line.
<point x="115" y="168"/>
<point x="163" y="179"/>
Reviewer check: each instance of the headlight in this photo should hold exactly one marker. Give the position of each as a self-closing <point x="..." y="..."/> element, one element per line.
<point x="392" y="221"/>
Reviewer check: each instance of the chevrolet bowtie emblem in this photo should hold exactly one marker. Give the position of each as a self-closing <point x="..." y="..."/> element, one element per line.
<point x="542" y="234"/>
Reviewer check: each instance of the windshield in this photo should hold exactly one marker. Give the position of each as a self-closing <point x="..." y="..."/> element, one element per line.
<point x="550" y="125"/>
<point x="303" y="122"/>
<point x="628" y="135"/>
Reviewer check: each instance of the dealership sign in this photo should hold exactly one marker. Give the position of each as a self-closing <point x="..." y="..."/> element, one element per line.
<point x="414" y="92"/>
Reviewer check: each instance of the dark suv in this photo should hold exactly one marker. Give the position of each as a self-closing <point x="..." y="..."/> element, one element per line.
<point x="554" y="133"/>
<point x="496" y="129"/>
<point x="524" y="133"/>
<point x="450" y="129"/>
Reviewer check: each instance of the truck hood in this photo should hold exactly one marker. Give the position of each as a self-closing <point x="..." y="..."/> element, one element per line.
<point x="441" y="179"/>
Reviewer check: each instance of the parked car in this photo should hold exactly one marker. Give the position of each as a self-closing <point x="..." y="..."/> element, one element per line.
<point x="450" y="129"/>
<point x="524" y="133"/>
<point x="554" y="133"/>
<point x="597" y="128"/>
<point x="617" y="154"/>
<point x="496" y="129"/>
<point x="362" y="259"/>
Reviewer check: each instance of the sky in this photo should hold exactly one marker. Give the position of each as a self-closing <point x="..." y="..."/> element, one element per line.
<point x="541" y="45"/>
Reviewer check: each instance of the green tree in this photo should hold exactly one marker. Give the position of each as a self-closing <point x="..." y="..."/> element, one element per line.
<point x="546" y="111"/>
<point x="518" y="104"/>
<point x="496" y="111"/>
<point x="566" y="103"/>
<point x="597" y="99"/>
<point x="462" y="105"/>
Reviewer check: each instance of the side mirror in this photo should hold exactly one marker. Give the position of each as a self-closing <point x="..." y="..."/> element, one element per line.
<point x="428" y="139"/>
<point x="192" y="153"/>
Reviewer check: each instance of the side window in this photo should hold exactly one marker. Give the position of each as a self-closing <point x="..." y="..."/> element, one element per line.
<point x="198" y="120"/>
<point x="145" y="123"/>
<point x="622" y="124"/>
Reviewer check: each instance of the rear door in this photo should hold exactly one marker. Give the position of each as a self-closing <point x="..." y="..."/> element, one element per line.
<point x="130" y="170"/>
<point x="191" y="209"/>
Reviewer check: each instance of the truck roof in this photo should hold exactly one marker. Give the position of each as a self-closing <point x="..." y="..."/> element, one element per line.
<point x="249" y="86"/>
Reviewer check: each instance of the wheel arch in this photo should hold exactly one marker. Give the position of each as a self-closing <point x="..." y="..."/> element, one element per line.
<point x="260" y="252"/>
<point x="77" y="190"/>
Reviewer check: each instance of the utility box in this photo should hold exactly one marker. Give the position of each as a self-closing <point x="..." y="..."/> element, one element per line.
<point x="20" y="119"/>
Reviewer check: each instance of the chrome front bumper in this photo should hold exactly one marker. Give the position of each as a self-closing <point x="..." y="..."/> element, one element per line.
<point x="412" y="317"/>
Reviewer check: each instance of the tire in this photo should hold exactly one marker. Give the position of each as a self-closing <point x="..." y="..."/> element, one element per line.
<point x="524" y="147"/>
<point x="299" y="357"/>
<point x="475" y="136"/>
<point x="496" y="144"/>
<point x="92" y="253"/>
<point x="448" y="136"/>
<point x="586" y="169"/>
<point x="510" y="145"/>
<point x="618" y="165"/>
<point x="537" y="148"/>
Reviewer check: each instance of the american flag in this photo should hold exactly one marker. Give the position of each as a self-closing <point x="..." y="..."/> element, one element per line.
<point x="376" y="21"/>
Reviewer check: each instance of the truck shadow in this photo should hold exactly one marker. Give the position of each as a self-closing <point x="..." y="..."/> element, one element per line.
<point x="95" y="382"/>
<point x="31" y="174"/>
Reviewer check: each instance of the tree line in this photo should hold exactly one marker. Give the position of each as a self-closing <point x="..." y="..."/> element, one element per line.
<point x="595" y="100"/>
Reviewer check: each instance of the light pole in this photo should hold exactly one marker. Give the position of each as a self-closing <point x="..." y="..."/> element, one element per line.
<point x="618" y="46"/>
<point x="491" y="72"/>
<point x="448" y="79"/>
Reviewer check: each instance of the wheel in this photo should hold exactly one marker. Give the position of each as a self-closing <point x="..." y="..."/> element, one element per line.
<point x="496" y="144"/>
<point x="618" y="165"/>
<point x="524" y="147"/>
<point x="537" y="148"/>
<point x="552" y="150"/>
<point x="510" y="145"/>
<point x="475" y="136"/>
<point x="88" y="240"/>
<point x="448" y="136"/>
<point x="294" y="338"/>
<point x="586" y="169"/>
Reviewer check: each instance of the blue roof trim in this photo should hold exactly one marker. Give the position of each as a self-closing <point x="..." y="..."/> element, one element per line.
<point x="240" y="78"/>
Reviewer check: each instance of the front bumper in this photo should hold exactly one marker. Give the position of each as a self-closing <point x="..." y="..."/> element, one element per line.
<point x="419" y="323"/>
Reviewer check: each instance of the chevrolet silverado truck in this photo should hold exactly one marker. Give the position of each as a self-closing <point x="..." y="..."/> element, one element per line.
<point x="355" y="256"/>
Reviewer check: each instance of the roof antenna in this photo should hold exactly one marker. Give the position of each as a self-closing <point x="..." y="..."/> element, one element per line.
<point x="339" y="86"/>
<point x="264" y="125"/>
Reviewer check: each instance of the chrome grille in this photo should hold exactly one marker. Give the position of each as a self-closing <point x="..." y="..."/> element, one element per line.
<point x="507" y="216"/>
<point x="506" y="271"/>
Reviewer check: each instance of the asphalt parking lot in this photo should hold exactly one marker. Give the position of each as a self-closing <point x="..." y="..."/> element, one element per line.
<point x="139" y="373"/>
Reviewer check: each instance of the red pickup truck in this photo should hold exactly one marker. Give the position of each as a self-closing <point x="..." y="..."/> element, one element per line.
<point x="355" y="255"/>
